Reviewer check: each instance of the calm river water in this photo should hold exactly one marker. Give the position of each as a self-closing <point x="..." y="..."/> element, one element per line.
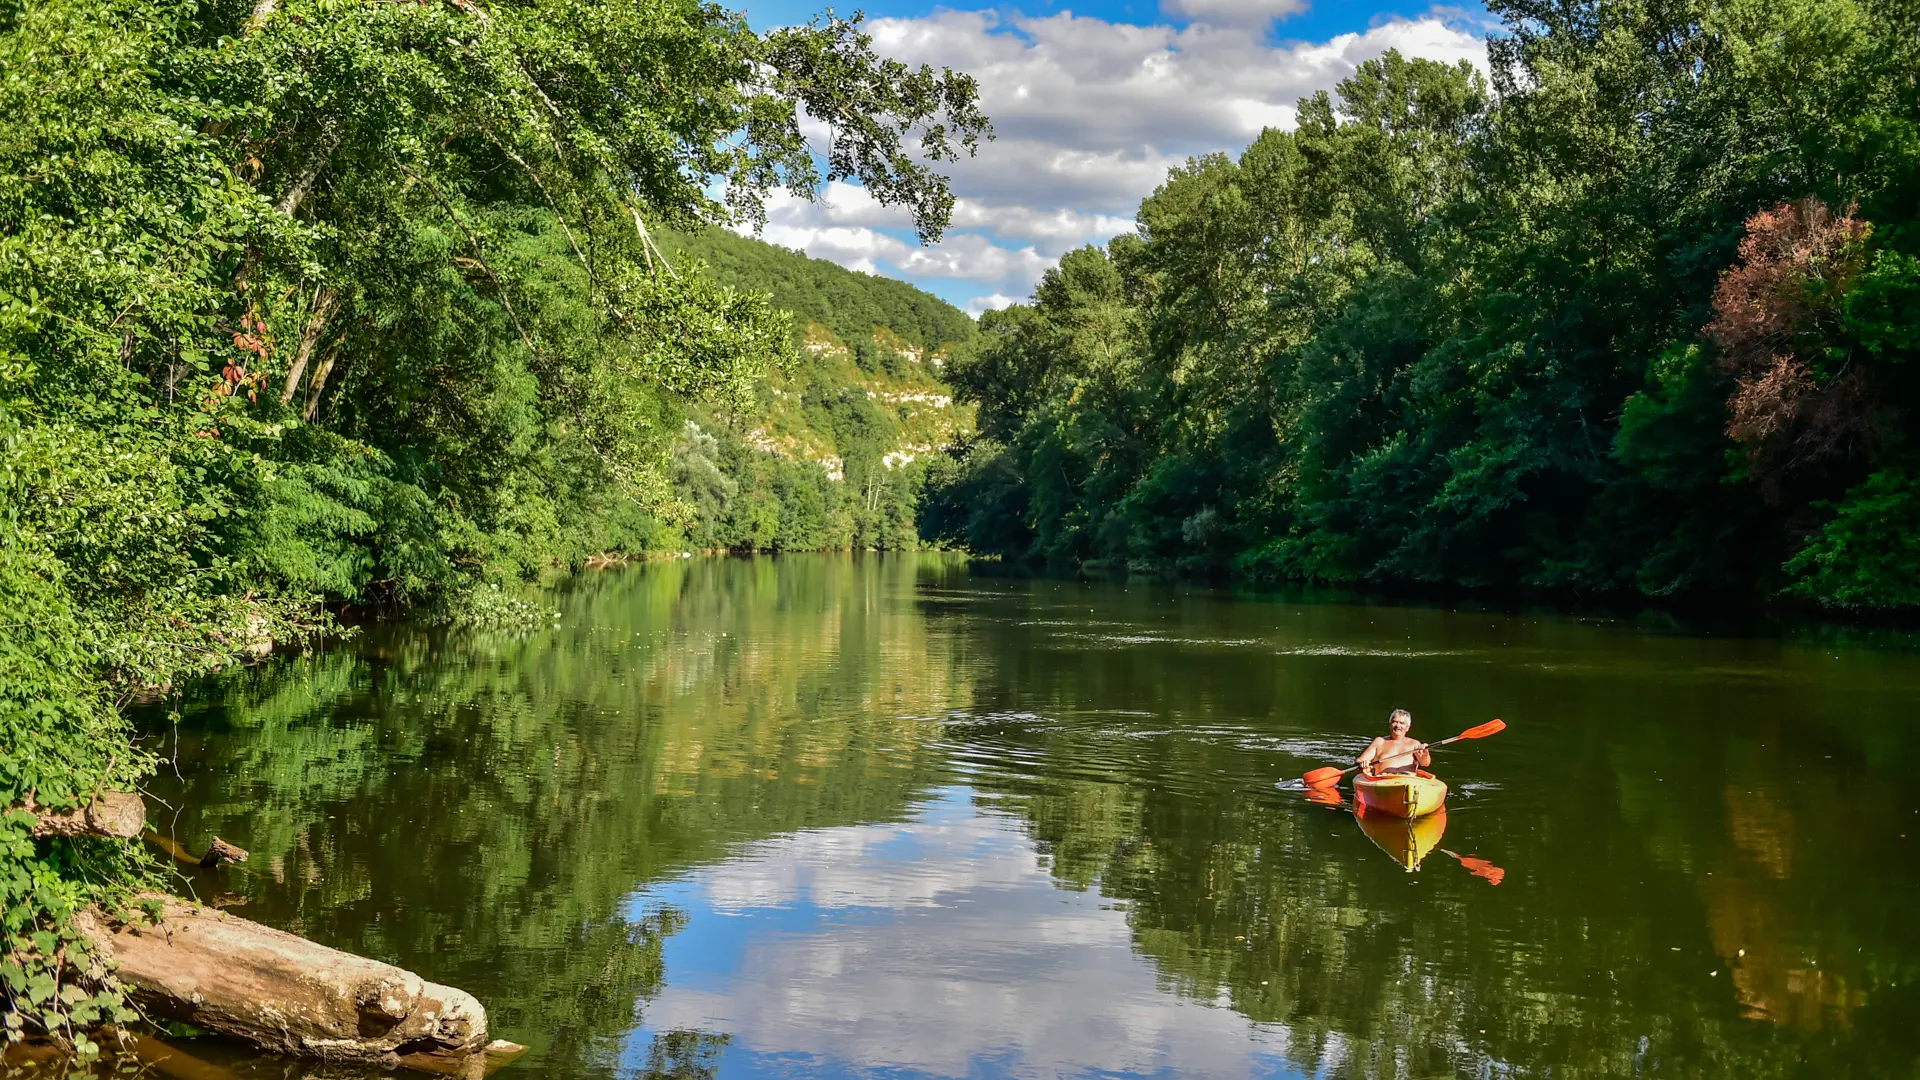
<point x="893" y="817"/>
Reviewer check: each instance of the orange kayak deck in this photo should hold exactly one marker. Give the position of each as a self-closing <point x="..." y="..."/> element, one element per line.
<point x="1409" y="795"/>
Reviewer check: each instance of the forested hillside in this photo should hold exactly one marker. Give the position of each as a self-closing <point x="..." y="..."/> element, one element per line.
<point x="845" y="303"/>
<point x="305" y="301"/>
<point x="834" y="447"/>
<point x="1640" y="312"/>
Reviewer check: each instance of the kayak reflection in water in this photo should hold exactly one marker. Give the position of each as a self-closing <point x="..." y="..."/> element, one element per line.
<point x="1405" y="841"/>
<point x="1396" y="753"/>
<point x="1409" y="842"/>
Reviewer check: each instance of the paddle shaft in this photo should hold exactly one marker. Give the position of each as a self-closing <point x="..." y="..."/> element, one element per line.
<point x="1401" y="754"/>
<point x="1328" y="775"/>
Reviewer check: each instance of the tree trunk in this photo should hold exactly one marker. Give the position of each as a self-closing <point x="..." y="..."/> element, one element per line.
<point x="288" y="994"/>
<point x="324" y="300"/>
<point x="319" y="386"/>
<point x="302" y="185"/>
<point x="262" y="11"/>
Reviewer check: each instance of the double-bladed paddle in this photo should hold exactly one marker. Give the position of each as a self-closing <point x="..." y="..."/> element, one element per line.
<point x="1329" y="776"/>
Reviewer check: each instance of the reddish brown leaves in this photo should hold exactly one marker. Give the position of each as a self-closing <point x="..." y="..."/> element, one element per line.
<point x="1798" y="396"/>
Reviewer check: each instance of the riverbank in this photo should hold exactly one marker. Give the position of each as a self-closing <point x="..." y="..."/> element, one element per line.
<point x="1713" y="613"/>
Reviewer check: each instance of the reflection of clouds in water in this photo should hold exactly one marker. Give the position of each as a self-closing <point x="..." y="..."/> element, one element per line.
<point x="877" y="866"/>
<point x="938" y="946"/>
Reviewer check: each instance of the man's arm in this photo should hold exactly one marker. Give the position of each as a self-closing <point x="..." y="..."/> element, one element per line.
<point x="1368" y="755"/>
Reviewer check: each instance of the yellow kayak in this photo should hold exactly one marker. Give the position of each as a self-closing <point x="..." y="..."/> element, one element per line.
<point x="1409" y="795"/>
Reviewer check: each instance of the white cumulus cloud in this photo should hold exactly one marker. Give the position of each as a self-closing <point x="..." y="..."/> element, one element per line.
<point x="1089" y="116"/>
<point x="979" y="305"/>
<point x="1233" y="12"/>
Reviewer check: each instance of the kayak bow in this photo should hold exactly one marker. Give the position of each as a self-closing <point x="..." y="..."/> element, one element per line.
<point x="1401" y="796"/>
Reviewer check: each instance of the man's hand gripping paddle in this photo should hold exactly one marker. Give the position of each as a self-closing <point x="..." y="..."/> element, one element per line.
<point x="1330" y="776"/>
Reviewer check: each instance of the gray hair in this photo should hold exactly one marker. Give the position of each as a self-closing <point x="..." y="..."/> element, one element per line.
<point x="1399" y="714"/>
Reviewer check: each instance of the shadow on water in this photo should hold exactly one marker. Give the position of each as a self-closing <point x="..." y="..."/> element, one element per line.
<point x="893" y="817"/>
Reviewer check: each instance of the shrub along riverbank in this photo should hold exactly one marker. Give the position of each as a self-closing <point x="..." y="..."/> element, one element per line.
<point x="1635" y="315"/>
<point x="304" y="301"/>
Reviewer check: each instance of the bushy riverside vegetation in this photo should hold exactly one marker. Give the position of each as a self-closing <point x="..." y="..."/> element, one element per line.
<point x="1639" y="313"/>
<point x="318" y="300"/>
<point x="833" y="450"/>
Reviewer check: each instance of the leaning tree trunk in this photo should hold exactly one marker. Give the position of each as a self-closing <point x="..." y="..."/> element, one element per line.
<point x="323" y="302"/>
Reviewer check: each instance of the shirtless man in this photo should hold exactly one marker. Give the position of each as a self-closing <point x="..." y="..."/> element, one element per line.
<point x="1396" y="753"/>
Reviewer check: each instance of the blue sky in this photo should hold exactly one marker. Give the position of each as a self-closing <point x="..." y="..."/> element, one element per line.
<point x="1091" y="104"/>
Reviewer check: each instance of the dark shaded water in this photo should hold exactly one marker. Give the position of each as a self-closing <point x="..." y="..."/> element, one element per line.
<point x="884" y="817"/>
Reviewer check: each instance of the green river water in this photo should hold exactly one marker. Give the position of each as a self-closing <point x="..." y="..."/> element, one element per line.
<point x="896" y="817"/>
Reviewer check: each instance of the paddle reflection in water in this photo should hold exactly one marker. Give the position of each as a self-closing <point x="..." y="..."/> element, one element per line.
<point x="1479" y="868"/>
<point x="890" y="817"/>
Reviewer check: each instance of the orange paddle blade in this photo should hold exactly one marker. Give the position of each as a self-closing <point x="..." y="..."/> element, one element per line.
<point x="1323" y="777"/>
<point x="1491" y="727"/>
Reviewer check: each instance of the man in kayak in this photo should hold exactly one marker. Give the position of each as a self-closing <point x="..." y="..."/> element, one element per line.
<point x="1397" y="753"/>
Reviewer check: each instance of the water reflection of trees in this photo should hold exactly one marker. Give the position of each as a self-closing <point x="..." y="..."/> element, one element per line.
<point x="479" y="807"/>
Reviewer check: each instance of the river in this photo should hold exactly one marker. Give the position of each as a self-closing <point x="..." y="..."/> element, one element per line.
<point x="896" y="817"/>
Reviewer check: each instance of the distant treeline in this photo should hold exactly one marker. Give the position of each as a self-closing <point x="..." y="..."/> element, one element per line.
<point x="1641" y="313"/>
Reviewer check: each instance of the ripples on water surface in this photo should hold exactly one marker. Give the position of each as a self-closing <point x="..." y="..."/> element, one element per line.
<point x="884" y="817"/>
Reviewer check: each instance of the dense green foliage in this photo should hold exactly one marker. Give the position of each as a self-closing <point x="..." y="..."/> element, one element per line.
<point x="1639" y="315"/>
<point x="835" y="448"/>
<point x="323" y="300"/>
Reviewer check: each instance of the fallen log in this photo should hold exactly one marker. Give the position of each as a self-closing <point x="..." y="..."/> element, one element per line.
<point x="285" y="993"/>
<point x="115" y="815"/>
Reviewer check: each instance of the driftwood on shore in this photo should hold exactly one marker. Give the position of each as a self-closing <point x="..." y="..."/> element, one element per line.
<point x="115" y="815"/>
<point x="276" y="990"/>
<point x="285" y="993"/>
